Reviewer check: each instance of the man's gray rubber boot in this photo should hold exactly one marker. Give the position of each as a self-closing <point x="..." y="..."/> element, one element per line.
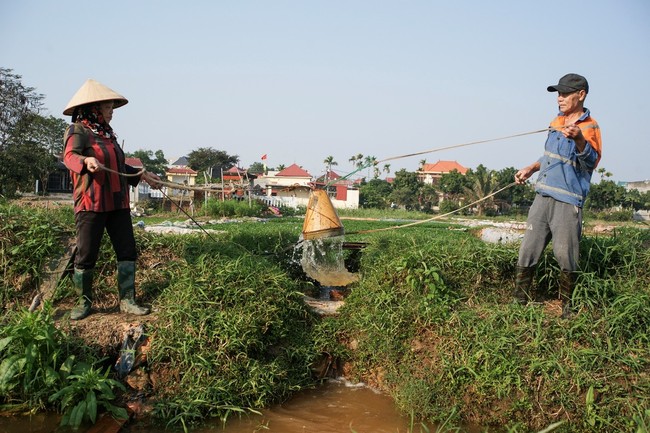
<point x="567" y="284"/>
<point x="524" y="291"/>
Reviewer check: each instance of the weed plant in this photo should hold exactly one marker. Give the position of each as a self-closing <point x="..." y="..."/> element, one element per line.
<point x="39" y="370"/>
<point x="31" y="349"/>
<point x="88" y="388"/>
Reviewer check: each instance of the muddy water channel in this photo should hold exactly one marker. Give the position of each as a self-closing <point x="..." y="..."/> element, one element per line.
<point x="335" y="407"/>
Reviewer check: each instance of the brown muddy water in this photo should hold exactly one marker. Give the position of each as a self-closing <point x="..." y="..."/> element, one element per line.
<point x="335" y="407"/>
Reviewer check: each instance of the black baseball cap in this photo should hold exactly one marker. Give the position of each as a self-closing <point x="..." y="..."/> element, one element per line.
<point x="570" y="83"/>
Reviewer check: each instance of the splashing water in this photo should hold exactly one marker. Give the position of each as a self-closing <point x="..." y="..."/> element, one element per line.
<point x="322" y="260"/>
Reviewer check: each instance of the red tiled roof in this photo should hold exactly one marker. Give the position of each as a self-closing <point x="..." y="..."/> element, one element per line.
<point x="443" y="167"/>
<point x="328" y="177"/>
<point x="134" y="162"/>
<point x="294" y="171"/>
<point x="235" y="170"/>
<point x="181" y="170"/>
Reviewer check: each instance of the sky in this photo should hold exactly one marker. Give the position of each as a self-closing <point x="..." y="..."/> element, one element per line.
<point x="303" y="80"/>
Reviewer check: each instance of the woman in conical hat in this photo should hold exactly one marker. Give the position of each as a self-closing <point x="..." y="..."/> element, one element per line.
<point x="101" y="197"/>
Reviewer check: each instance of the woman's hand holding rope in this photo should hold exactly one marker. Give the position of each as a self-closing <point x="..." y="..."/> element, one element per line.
<point x="92" y="165"/>
<point x="154" y="181"/>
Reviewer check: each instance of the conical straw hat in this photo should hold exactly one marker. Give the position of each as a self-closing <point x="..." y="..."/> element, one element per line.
<point x="93" y="91"/>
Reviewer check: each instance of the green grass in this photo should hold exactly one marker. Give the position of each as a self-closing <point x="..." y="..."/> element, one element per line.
<point x="430" y="321"/>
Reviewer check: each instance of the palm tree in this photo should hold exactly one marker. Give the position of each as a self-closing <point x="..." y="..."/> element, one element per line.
<point x="422" y="162"/>
<point x="604" y="173"/>
<point x="370" y="161"/>
<point x="483" y="183"/>
<point x="356" y="160"/>
<point x="281" y="167"/>
<point x="386" y="169"/>
<point x="359" y="160"/>
<point x="329" y="162"/>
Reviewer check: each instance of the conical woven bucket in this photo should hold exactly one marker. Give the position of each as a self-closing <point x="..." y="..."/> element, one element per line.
<point x="321" y="220"/>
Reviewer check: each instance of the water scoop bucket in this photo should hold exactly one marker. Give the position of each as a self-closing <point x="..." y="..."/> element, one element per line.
<point x="321" y="220"/>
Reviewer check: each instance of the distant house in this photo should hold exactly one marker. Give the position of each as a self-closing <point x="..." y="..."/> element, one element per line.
<point x="293" y="185"/>
<point x="431" y="173"/>
<point x="641" y="185"/>
<point x="237" y="181"/>
<point x="292" y="182"/>
<point x="180" y="162"/>
<point x="343" y="193"/>
<point x="236" y="174"/>
<point x="59" y="181"/>
<point x="183" y="176"/>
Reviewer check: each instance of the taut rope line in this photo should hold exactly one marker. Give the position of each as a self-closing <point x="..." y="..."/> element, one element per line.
<point x="438" y="149"/>
<point x="461" y="145"/>
<point x="435" y="217"/>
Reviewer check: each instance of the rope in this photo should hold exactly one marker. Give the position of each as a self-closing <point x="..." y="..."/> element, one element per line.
<point x="438" y="149"/>
<point x="162" y="183"/>
<point x="461" y="145"/>
<point x="435" y="217"/>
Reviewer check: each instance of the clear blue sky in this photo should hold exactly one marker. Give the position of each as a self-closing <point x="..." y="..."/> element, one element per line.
<point x="302" y="80"/>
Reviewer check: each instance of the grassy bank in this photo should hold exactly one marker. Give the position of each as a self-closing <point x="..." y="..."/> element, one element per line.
<point x="430" y="322"/>
<point x="229" y="330"/>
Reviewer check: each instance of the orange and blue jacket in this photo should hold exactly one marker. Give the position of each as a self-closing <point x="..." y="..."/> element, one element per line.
<point x="565" y="173"/>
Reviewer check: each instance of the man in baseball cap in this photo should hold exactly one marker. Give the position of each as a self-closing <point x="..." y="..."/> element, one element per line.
<point x="571" y="153"/>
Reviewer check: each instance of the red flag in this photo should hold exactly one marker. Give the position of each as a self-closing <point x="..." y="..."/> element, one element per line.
<point x="263" y="157"/>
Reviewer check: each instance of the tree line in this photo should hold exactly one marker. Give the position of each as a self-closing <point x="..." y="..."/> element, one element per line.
<point x="29" y="141"/>
<point x="449" y="192"/>
<point x="454" y="190"/>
